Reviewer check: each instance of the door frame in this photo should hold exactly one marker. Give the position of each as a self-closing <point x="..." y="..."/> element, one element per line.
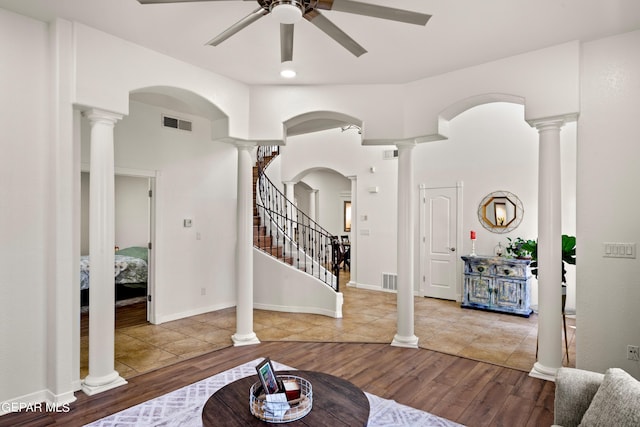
<point x="152" y="176"/>
<point x="151" y="261"/>
<point x="458" y="186"/>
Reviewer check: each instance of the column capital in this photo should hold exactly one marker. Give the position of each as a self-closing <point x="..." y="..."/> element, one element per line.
<point x="406" y="145"/>
<point x="555" y="122"/>
<point x="238" y="143"/>
<point x="244" y="145"/>
<point x="96" y="115"/>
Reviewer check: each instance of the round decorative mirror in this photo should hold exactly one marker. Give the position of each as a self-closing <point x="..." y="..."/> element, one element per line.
<point x="500" y="212"/>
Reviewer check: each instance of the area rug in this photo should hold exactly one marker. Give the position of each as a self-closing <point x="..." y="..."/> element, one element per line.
<point x="183" y="407"/>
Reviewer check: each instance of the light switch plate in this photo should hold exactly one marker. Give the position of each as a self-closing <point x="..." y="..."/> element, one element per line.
<point x="618" y="250"/>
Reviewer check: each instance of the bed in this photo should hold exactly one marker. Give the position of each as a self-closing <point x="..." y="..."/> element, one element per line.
<point x="130" y="273"/>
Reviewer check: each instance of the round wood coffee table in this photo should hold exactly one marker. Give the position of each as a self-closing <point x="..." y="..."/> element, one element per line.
<point x="336" y="402"/>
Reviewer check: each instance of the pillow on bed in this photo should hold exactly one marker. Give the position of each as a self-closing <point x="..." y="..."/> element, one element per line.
<point x="135" y="251"/>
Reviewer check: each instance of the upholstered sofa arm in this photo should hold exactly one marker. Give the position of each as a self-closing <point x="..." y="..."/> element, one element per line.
<point x="575" y="389"/>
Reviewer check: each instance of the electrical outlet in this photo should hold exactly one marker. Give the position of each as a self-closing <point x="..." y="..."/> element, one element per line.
<point x="633" y="352"/>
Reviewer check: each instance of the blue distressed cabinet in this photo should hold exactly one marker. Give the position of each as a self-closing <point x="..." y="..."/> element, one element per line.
<point x="497" y="284"/>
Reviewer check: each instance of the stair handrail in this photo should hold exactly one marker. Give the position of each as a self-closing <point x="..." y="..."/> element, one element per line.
<point x="304" y="242"/>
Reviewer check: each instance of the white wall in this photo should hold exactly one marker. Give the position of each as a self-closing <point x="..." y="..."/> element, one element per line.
<point x="294" y="291"/>
<point x="333" y="190"/>
<point x="302" y="194"/>
<point x="25" y="211"/>
<point x="131" y="212"/>
<point x="608" y="204"/>
<point x="343" y="153"/>
<point x="546" y="78"/>
<point x="98" y="70"/>
<point x="492" y="148"/>
<point x="196" y="179"/>
<point x="122" y="67"/>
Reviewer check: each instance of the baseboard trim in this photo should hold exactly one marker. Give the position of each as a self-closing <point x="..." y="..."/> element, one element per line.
<point x="291" y="309"/>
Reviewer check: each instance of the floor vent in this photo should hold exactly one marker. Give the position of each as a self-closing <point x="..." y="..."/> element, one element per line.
<point x="390" y="281"/>
<point x="390" y="154"/>
<point x="175" y="123"/>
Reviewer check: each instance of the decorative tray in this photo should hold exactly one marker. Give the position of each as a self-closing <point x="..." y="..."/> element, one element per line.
<point x="282" y="412"/>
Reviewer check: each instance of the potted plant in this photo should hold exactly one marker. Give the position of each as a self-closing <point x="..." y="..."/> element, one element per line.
<point x="520" y="248"/>
<point x="568" y="254"/>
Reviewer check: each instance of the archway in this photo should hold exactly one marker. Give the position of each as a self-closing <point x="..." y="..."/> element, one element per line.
<point x="184" y="164"/>
<point x="543" y="200"/>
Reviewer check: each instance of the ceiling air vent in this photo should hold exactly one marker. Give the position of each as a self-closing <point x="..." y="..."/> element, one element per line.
<point x="175" y="123"/>
<point x="390" y="154"/>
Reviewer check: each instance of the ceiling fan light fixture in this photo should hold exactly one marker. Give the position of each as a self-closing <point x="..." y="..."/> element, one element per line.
<point x="287" y="71"/>
<point x="287" y="11"/>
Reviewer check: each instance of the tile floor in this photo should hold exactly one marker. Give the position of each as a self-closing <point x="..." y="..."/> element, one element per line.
<point x="368" y="316"/>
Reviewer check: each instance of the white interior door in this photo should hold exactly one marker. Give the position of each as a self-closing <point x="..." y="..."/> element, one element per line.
<point x="438" y="242"/>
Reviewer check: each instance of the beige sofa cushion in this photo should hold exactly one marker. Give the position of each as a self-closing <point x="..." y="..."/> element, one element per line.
<point x="616" y="403"/>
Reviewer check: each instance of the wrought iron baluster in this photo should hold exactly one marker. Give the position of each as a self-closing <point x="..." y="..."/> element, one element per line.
<point x="282" y="218"/>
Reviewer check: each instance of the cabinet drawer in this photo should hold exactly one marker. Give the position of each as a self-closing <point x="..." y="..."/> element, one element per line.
<point x="514" y="270"/>
<point x="480" y="268"/>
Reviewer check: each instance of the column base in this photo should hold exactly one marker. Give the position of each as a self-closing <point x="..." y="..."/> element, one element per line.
<point x="543" y="372"/>
<point x="407" y="342"/>
<point x="244" y="339"/>
<point x="94" y="385"/>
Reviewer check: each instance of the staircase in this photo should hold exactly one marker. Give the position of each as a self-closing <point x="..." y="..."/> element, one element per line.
<point x="261" y="238"/>
<point x="284" y="232"/>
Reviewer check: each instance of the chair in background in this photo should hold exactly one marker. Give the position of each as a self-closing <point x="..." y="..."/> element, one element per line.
<point x="341" y="254"/>
<point x="347" y="252"/>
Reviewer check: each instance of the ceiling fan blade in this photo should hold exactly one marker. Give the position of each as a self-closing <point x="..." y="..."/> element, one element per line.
<point x="330" y="29"/>
<point x="179" y="1"/>
<point x="383" y="12"/>
<point x="286" y="42"/>
<point x="243" y="23"/>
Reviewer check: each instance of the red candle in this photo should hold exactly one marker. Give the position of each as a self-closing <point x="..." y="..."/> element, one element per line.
<point x="473" y="235"/>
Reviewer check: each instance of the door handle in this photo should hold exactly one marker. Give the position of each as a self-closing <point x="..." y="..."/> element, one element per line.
<point x="452" y="249"/>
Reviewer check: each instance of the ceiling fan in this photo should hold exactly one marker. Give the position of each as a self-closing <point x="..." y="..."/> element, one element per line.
<point x="287" y="12"/>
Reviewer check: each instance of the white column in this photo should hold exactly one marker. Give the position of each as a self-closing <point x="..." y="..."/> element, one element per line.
<point x="353" y="267"/>
<point x="244" y="249"/>
<point x="312" y="204"/>
<point x="102" y="375"/>
<point x="549" y="251"/>
<point x="405" y="336"/>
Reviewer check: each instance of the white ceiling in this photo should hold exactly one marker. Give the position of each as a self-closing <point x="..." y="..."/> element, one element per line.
<point x="460" y="34"/>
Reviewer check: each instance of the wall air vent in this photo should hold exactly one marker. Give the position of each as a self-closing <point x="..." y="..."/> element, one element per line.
<point x="175" y="123"/>
<point x="390" y="281"/>
<point x="390" y="154"/>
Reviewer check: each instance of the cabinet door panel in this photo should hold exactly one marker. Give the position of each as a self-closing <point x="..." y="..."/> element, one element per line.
<point x="508" y="293"/>
<point x="479" y="290"/>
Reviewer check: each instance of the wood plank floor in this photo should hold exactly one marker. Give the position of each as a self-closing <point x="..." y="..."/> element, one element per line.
<point x="466" y="391"/>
